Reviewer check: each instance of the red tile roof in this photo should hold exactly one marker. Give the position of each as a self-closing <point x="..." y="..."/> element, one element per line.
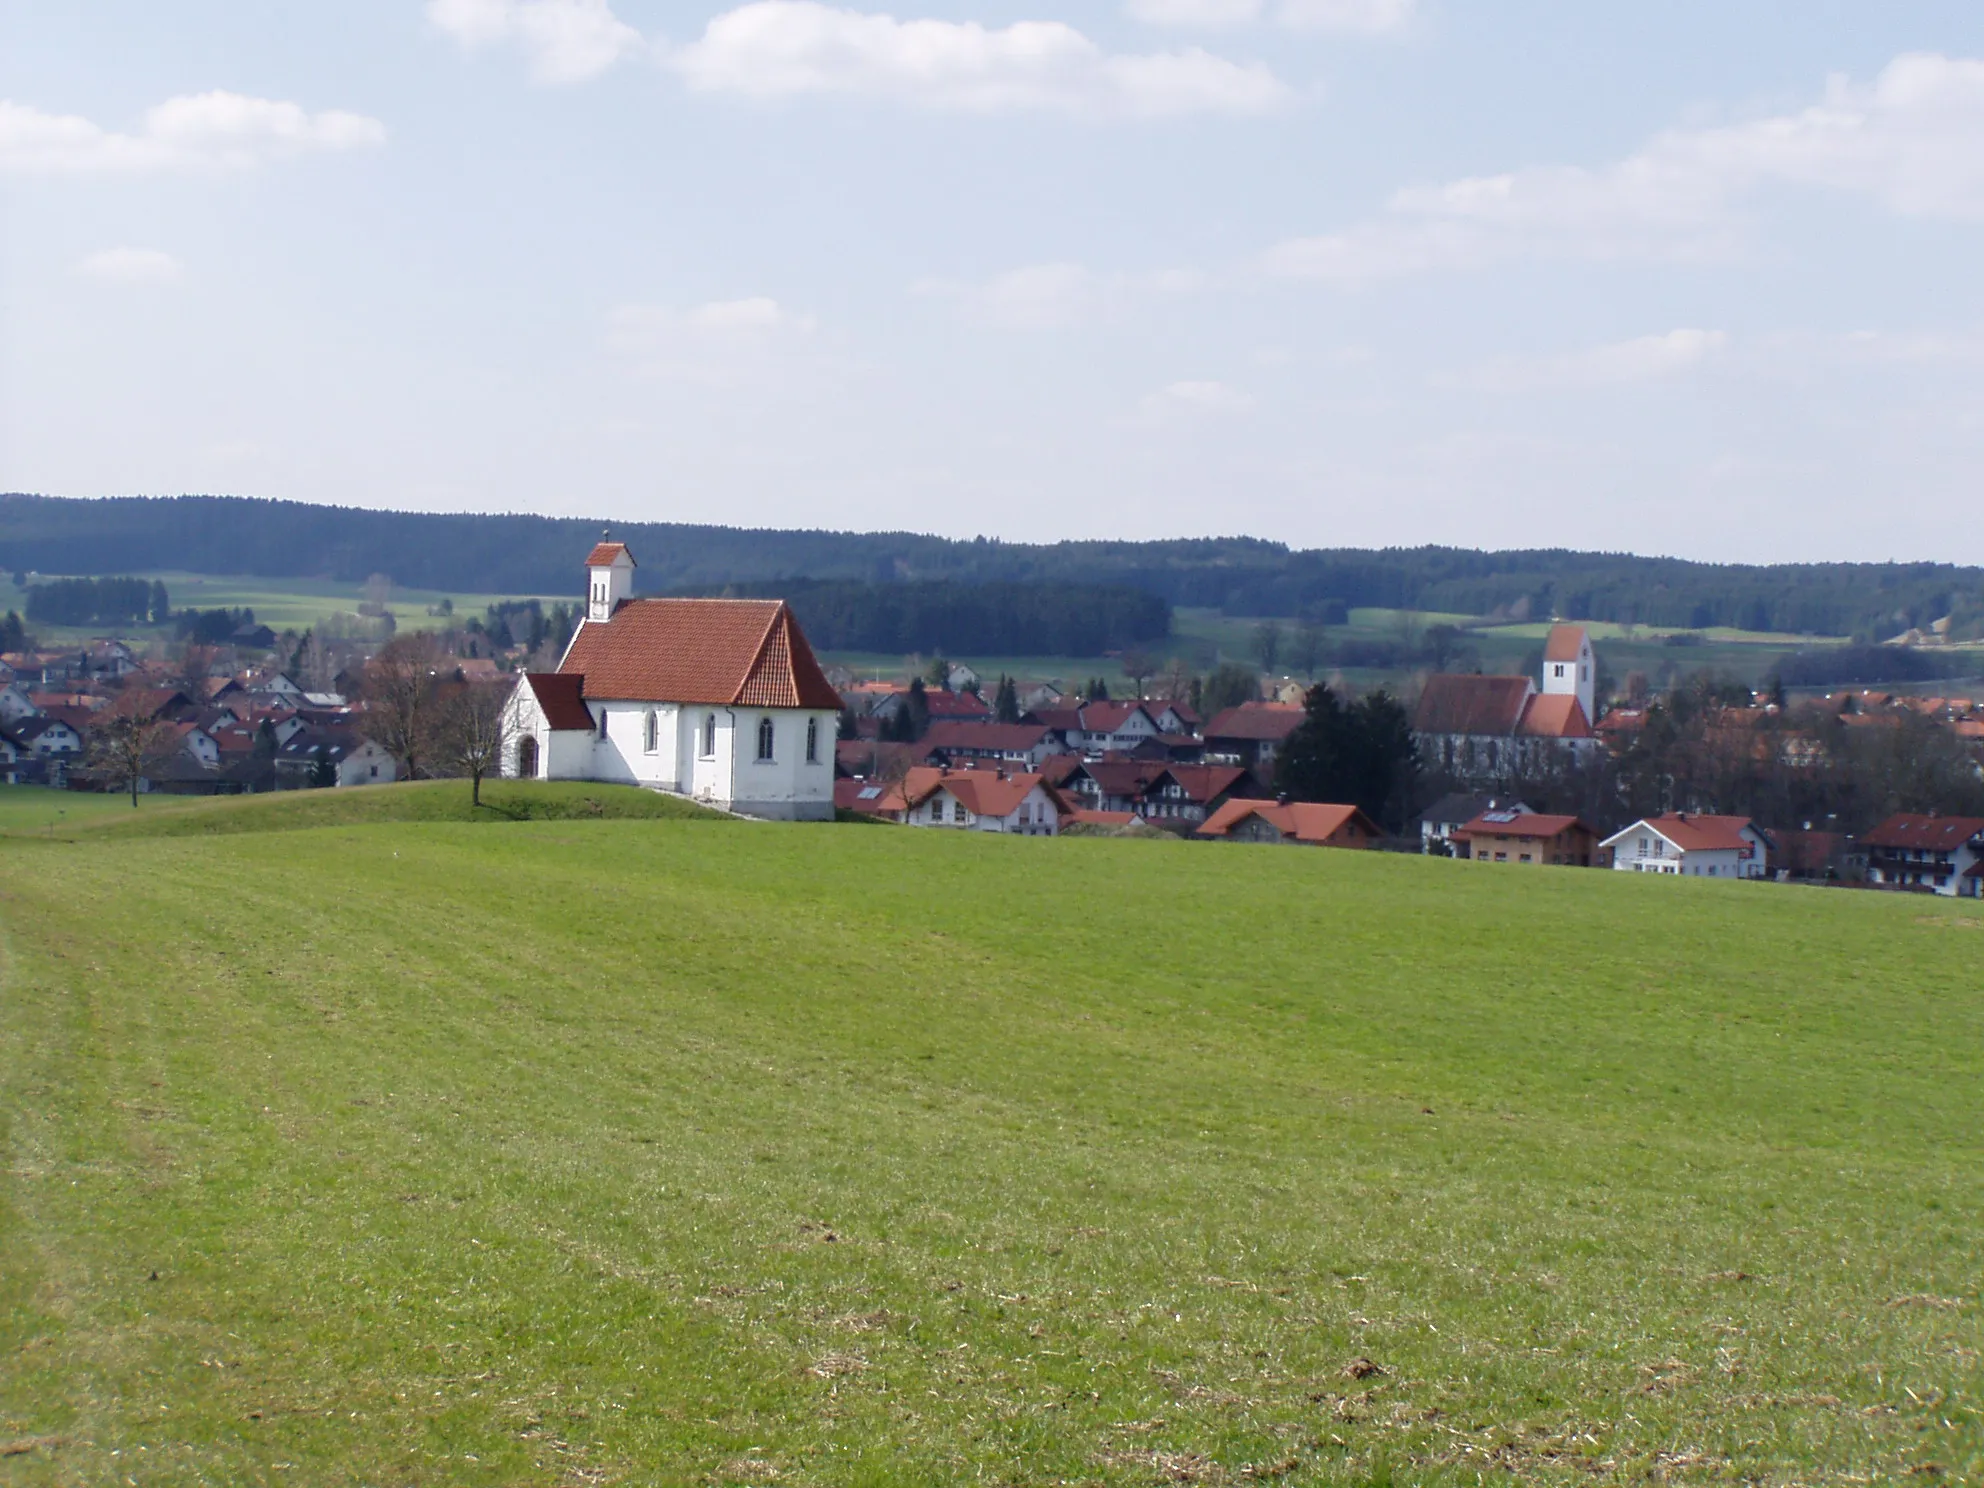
<point x="1564" y="643"/>
<point x="1694" y="833"/>
<point x="1305" y="821"/>
<point x="605" y="554"/>
<point x="1260" y="722"/>
<point x="1924" y="833"/>
<point x="971" y="733"/>
<point x="983" y="792"/>
<point x="1555" y="716"/>
<point x="728" y="652"/>
<point x="1518" y="824"/>
<point x="1204" y="783"/>
<point x="1457" y="704"/>
<point x="939" y="702"/>
<point x="560" y="698"/>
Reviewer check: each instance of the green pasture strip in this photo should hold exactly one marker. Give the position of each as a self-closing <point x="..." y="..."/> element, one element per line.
<point x="654" y="1152"/>
<point x="503" y="801"/>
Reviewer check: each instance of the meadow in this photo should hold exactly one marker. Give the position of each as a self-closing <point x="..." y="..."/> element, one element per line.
<point x="687" y="1150"/>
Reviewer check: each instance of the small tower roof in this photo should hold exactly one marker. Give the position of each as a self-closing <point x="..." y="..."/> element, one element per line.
<point x="1564" y="643"/>
<point x="606" y="554"/>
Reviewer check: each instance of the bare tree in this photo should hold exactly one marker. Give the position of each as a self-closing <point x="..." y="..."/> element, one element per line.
<point x="1311" y="646"/>
<point x="1267" y="644"/>
<point x="127" y="741"/>
<point x="1139" y="667"/>
<point x="400" y="698"/>
<point x="470" y="732"/>
<point x="196" y="664"/>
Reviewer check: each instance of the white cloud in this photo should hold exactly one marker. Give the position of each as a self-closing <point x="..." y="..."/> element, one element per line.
<point x="1641" y="359"/>
<point x="205" y="129"/>
<point x="1052" y="296"/>
<point x="1361" y="17"/>
<point x="1912" y="141"/>
<point x="1195" y="400"/>
<point x="130" y="266"/>
<point x="782" y="48"/>
<point x="567" y="41"/>
<point x="723" y="341"/>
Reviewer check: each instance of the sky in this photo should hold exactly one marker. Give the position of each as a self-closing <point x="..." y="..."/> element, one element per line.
<point x="1700" y="278"/>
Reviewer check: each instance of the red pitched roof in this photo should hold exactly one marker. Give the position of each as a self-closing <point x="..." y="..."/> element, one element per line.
<point x="971" y="733"/>
<point x="605" y="554"/>
<point x="1519" y="824"/>
<point x="1924" y="833"/>
<point x="1555" y="716"/>
<point x="940" y="702"/>
<point x="983" y="792"/>
<point x="560" y="698"/>
<point x="1459" y="704"/>
<point x="1693" y="833"/>
<point x="728" y="652"/>
<point x="1305" y="821"/>
<point x="1269" y="722"/>
<point x="1564" y="643"/>
<point x="1203" y="783"/>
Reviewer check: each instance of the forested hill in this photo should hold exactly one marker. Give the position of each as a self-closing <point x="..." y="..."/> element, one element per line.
<point x="1244" y="576"/>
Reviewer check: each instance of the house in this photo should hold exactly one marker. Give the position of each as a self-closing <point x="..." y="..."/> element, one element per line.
<point x="1192" y="793"/>
<point x="1022" y="744"/>
<point x="940" y="705"/>
<point x="196" y="744"/>
<point x="48" y="737"/>
<point x="109" y="659"/>
<point x="961" y="678"/>
<point x="718" y="699"/>
<point x="1040" y="695"/>
<point x="1493" y="728"/>
<point x="10" y="758"/>
<point x="1699" y="846"/>
<point x="1805" y="855"/>
<point x="1929" y="854"/>
<point x="1438" y="822"/>
<point x="15" y="703"/>
<point x="1252" y="734"/>
<point x="1099" y="728"/>
<point x="878" y="798"/>
<point x="982" y="801"/>
<point x="1306" y="823"/>
<point x="1110" y="784"/>
<point x="253" y="636"/>
<point x="1511" y="835"/>
<point x="354" y="759"/>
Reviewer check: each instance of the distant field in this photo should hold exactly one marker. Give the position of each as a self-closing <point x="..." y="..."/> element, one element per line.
<point x="573" y="1151"/>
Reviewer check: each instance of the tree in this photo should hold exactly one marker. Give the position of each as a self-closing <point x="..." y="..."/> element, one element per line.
<point x="1229" y="686"/>
<point x="128" y="741"/>
<point x="469" y="735"/>
<point x="1006" y="701"/>
<point x="1311" y="646"/>
<point x="399" y="692"/>
<point x="196" y="664"/>
<point x="323" y="773"/>
<point x="1359" y="754"/>
<point x="160" y="603"/>
<point x="1267" y="644"/>
<point x="1138" y="667"/>
<point x="939" y="673"/>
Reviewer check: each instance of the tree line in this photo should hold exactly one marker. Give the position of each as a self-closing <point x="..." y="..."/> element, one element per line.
<point x="523" y="554"/>
<point x="967" y="619"/>
<point x="109" y="601"/>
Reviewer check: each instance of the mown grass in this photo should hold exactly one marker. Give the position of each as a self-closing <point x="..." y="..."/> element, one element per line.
<point x="595" y="1151"/>
<point x="414" y="801"/>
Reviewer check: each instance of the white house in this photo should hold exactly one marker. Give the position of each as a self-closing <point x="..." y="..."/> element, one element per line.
<point x="15" y="703"/>
<point x="982" y="801"/>
<point x="1699" y="846"/>
<point x="355" y="759"/>
<point x="1936" y="854"/>
<point x="717" y="699"/>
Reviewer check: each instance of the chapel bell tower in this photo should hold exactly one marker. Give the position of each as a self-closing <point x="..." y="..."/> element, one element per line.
<point x="610" y="578"/>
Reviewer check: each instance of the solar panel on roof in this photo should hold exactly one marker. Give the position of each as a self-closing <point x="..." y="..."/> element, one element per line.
<point x="1500" y="816"/>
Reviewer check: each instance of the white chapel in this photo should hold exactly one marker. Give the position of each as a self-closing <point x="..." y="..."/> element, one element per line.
<point x="717" y="699"/>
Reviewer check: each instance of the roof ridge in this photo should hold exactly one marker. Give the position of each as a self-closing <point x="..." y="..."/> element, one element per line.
<point x="758" y="656"/>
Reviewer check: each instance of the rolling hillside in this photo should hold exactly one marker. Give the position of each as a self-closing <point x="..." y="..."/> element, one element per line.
<point x="687" y="1151"/>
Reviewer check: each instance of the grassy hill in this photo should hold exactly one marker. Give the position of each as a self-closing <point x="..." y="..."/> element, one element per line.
<point x="616" y="1151"/>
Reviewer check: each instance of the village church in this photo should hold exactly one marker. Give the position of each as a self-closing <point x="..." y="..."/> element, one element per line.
<point x="720" y="700"/>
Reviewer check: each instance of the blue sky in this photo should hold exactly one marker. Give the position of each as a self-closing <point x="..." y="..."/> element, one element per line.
<point x="1695" y="278"/>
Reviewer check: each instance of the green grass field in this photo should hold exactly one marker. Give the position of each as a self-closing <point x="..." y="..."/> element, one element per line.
<point x="678" y="1151"/>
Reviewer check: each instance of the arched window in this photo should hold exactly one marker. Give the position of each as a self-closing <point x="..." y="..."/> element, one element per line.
<point x="764" y="738"/>
<point x="812" y="741"/>
<point x="651" y="733"/>
<point x="709" y="736"/>
<point x="526" y="759"/>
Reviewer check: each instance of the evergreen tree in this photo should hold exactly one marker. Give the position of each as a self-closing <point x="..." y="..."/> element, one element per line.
<point x="1006" y="701"/>
<point x="1360" y="754"/>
